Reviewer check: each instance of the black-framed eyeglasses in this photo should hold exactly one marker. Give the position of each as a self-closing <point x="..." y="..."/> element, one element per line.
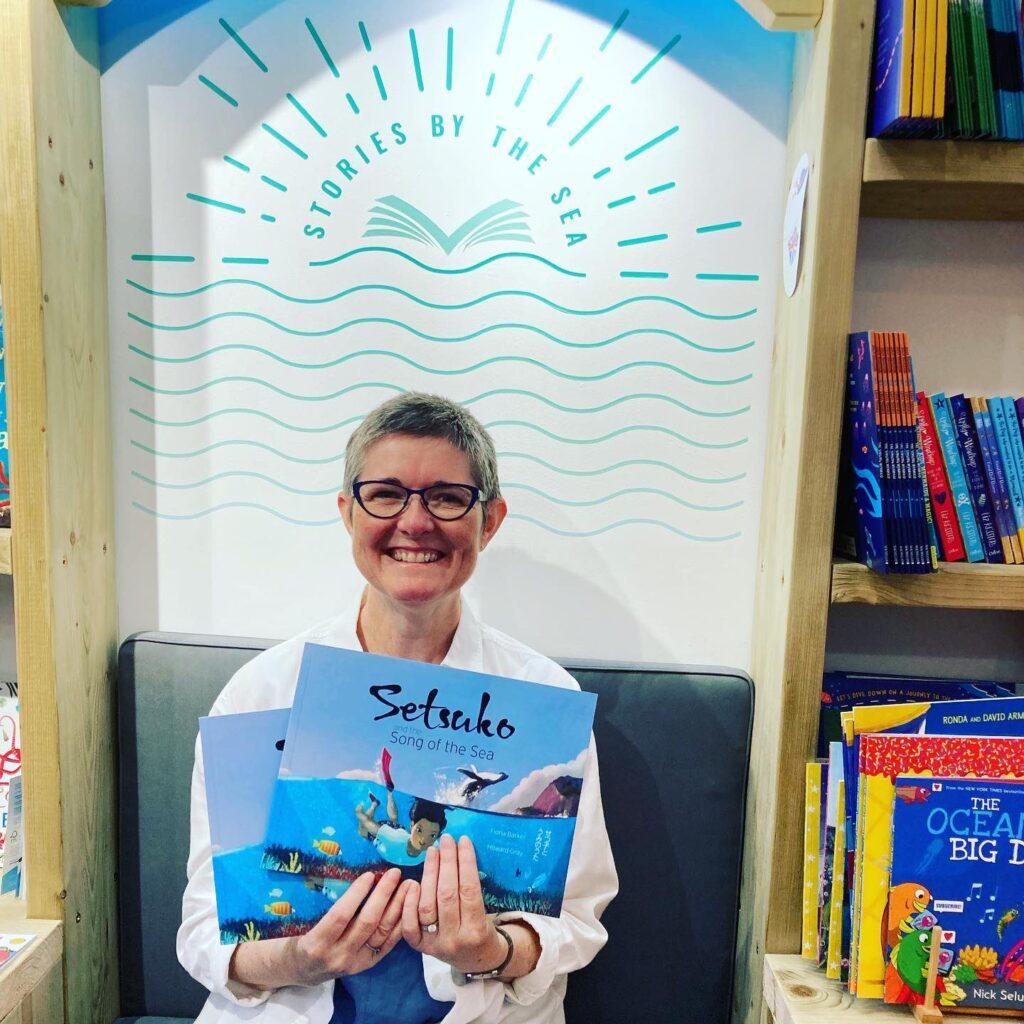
<point x="384" y="499"/>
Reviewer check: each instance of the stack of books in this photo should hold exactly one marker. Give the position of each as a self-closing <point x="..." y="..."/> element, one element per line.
<point x="377" y="758"/>
<point x="926" y="478"/>
<point x="948" y="68"/>
<point x="915" y="820"/>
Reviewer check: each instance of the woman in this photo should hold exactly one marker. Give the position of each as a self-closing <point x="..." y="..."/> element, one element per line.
<point x="420" y="501"/>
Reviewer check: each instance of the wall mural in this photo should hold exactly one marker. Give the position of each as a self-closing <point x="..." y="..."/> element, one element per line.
<point x="565" y="215"/>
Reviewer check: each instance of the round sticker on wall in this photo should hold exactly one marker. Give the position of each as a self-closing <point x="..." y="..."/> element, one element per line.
<point x="793" y="225"/>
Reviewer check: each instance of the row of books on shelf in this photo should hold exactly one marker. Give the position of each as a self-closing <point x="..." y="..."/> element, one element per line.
<point x="948" y="68"/>
<point x="914" y="820"/>
<point x="926" y="478"/>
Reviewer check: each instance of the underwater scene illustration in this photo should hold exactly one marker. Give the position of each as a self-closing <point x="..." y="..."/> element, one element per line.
<point x="958" y="857"/>
<point x="383" y="756"/>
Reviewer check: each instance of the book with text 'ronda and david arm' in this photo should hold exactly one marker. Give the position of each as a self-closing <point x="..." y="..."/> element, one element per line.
<point x="241" y="756"/>
<point x="957" y="860"/>
<point x="383" y="755"/>
<point x="884" y="757"/>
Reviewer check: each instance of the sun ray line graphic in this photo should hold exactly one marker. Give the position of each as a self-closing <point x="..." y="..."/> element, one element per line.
<point x="619" y="22"/>
<point x="416" y="59"/>
<point x="244" y="46"/>
<point x="590" y="124"/>
<point x="217" y="90"/>
<point x="663" y="52"/>
<point x="219" y="204"/>
<point x="237" y="163"/>
<point x="328" y="59"/>
<point x="306" y="115"/>
<point x="273" y="183"/>
<point x="633" y="153"/>
<point x="725" y="226"/>
<point x="450" y="58"/>
<point x="557" y="113"/>
<point x="286" y="142"/>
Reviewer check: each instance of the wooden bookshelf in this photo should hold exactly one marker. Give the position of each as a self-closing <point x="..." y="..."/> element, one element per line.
<point x="34" y="975"/>
<point x="784" y="15"/>
<point x="955" y="585"/>
<point x="943" y="180"/>
<point x="797" y="992"/>
<point x="5" y="552"/>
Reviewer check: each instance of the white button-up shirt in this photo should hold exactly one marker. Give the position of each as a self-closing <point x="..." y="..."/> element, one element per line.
<point x="567" y="943"/>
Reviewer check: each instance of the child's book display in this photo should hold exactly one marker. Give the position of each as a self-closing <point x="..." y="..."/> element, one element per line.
<point x="957" y="852"/>
<point x="377" y="758"/>
<point x="383" y="755"/>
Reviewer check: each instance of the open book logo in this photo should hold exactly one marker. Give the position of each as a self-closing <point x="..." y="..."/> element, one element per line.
<point x="393" y="217"/>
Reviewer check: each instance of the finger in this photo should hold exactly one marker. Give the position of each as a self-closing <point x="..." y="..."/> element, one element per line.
<point x="392" y="940"/>
<point x="448" y="888"/>
<point x="333" y="924"/>
<point x="361" y="928"/>
<point x="471" y="897"/>
<point x="392" y="915"/>
<point x="428" y="888"/>
<point x="411" y="918"/>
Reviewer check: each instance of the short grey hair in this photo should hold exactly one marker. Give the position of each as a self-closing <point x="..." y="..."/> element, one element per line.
<point x="421" y="415"/>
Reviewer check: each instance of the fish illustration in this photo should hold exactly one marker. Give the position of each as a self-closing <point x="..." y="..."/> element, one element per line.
<point x="479" y="781"/>
<point x="328" y="847"/>
<point x="274" y="893"/>
<point x="913" y="794"/>
<point x="905" y="901"/>
<point x="1006" y="920"/>
<point x="329" y="831"/>
<point x="282" y="908"/>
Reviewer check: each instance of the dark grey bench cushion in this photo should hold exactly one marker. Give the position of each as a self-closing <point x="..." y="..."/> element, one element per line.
<point x="674" y="747"/>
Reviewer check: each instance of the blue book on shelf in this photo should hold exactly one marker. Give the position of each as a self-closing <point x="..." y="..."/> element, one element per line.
<point x="383" y="755"/>
<point x="996" y="476"/>
<point x="957" y="480"/>
<point x="1016" y="444"/>
<point x="863" y="456"/>
<point x="891" y="71"/>
<point x="1015" y="483"/>
<point x="967" y="440"/>
<point x="241" y="756"/>
<point x="957" y="852"/>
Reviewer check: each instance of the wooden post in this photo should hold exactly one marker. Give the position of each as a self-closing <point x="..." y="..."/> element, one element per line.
<point x="928" y="1014"/>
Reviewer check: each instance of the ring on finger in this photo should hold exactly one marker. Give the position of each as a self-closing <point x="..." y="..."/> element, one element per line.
<point x="430" y="929"/>
<point x="375" y="950"/>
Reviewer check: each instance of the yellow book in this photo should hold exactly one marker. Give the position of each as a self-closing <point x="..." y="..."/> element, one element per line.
<point x="941" y="57"/>
<point x="906" y="66"/>
<point x="812" y="833"/>
<point x="917" y="107"/>
<point x="930" y="36"/>
<point x="883" y="757"/>
<point x="833" y="960"/>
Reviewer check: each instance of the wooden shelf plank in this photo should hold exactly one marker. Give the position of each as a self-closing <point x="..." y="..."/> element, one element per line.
<point x="943" y="180"/>
<point x="797" y="992"/>
<point x="784" y="15"/>
<point x="5" y="552"/>
<point x="27" y="970"/>
<point x="955" y="585"/>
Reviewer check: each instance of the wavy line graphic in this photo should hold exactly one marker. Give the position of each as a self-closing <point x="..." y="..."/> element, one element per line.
<point x="333" y="521"/>
<point x="182" y="392"/>
<point x="322" y="492"/>
<point x="446" y="270"/>
<point x="448" y="307"/>
<point x="651" y="427"/>
<point x="621" y="523"/>
<point x="442" y="338"/>
<point x="650" y="364"/>
<point x="565" y="471"/>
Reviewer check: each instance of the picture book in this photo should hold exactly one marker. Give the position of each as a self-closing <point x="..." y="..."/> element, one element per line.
<point x="383" y="755"/>
<point x="10" y="751"/>
<point x="834" y="966"/>
<point x="11" y="945"/>
<point x="957" y="862"/>
<point x="241" y="756"/>
<point x="960" y="492"/>
<point x="884" y="757"/>
<point x="830" y="838"/>
<point x="12" y="880"/>
<point x="892" y="73"/>
<point x="814" y="814"/>
<point x="970" y="455"/>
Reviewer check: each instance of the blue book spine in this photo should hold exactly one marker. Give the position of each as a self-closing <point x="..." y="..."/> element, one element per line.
<point x="891" y="51"/>
<point x="957" y="481"/>
<point x="1001" y="430"/>
<point x="998" y="487"/>
<point x="967" y="439"/>
<point x="1016" y="445"/>
<point x="864" y="456"/>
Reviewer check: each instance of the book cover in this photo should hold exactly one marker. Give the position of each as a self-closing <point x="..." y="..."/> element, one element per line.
<point x="895" y="534"/>
<point x="957" y="480"/>
<point x="967" y="441"/>
<point x="11" y="945"/>
<point x="957" y="850"/>
<point x="946" y="524"/>
<point x="919" y="512"/>
<point x="833" y="825"/>
<point x="814" y="817"/>
<point x="942" y="59"/>
<point x="383" y="755"/>
<point x="10" y="752"/>
<point x="893" y="65"/>
<point x="883" y="757"/>
<point x="1015" y="444"/>
<point x="11" y="880"/>
<point x="931" y="536"/>
<point x="241" y="756"/>
<point x="835" y="967"/>
<point x="1015" y="484"/>
<point x="992" y="464"/>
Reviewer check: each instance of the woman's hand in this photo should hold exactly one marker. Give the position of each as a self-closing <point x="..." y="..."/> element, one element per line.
<point x="353" y="935"/>
<point x="444" y="916"/>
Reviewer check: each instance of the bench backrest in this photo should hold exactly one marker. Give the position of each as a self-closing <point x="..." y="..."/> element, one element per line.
<point x="673" y="746"/>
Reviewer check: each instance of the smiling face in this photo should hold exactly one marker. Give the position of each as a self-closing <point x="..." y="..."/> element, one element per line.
<point x="415" y="558"/>
<point x="424" y="834"/>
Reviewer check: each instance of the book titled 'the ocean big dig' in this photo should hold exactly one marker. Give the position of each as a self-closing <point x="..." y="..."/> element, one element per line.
<point x="383" y="756"/>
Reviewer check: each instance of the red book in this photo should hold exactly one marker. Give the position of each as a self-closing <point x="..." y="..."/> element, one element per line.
<point x="946" y="522"/>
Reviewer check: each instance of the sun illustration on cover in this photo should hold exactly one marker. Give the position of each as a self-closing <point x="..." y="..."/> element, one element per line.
<point x="514" y="203"/>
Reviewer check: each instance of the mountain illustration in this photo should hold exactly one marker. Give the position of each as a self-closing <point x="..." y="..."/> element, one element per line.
<point x="393" y="217"/>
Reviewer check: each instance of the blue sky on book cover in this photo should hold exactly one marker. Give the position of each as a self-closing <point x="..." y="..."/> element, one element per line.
<point x="958" y="857"/>
<point x="503" y="759"/>
<point x="241" y="759"/>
